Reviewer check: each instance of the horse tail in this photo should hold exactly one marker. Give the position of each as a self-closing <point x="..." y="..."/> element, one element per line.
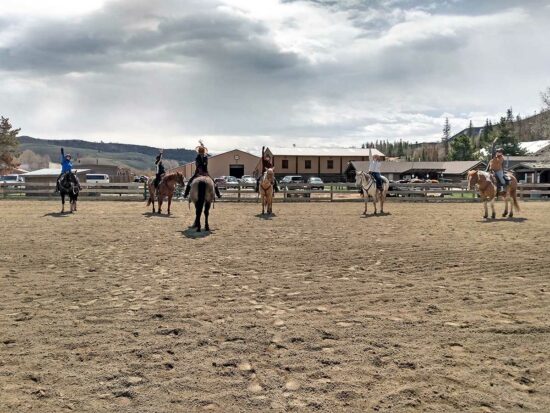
<point x="513" y="194"/>
<point x="202" y="192"/>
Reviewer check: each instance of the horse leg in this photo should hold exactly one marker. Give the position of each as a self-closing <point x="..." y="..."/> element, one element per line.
<point x="366" y="199"/>
<point x="160" y="204"/>
<point x="62" y="202"/>
<point x="206" y="213"/>
<point x="198" y="211"/>
<point x="486" y="215"/>
<point x="169" y="203"/>
<point x="263" y="204"/>
<point x="381" y="203"/>
<point x="506" y="199"/>
<point x="493" y="213"/>
<point x="374" y="200"/>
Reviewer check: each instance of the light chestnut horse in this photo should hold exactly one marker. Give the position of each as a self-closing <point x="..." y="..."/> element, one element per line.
<point x="166" y="189"/>
<point x="267" y="183"/>
<point x="487" y="189"/>
<point x="367" y="183"/>
<point x="202" y="196"/>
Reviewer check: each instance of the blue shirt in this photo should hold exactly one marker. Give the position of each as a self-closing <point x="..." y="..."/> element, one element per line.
<point x="66" y="165"/>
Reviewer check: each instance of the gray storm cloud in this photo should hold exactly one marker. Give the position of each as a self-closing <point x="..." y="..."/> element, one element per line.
<point x="325" y="72"/>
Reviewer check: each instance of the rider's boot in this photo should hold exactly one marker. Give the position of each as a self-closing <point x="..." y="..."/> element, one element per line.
<point x="217" y="191"/>
<point x="187" y="190"/>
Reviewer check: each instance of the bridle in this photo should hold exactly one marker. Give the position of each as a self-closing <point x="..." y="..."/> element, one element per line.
<point x="371" y="181"/>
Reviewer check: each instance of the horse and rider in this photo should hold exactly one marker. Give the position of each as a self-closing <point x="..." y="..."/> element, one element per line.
<point x="372" y="183"/>
<point x="67" y="183"/>
<point x="493" y="182"/>
<point x="267" y="164"/>
<point x="66" y="171"/>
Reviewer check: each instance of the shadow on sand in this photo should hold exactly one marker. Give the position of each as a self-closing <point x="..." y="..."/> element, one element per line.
<point x="502" y="219"/>
<point x="57" y="214"/>
<point x="371" y="215"/>
<point x="192" y="233"/>
<point x="267" y="217"/>
<point x="157" y="215"/>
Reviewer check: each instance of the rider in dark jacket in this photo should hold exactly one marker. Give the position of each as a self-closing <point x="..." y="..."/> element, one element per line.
<point x="201" y="169"/>
<point x="160" y="171"/>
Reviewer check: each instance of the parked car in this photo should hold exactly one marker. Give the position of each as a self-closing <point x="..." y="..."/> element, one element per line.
<point x="13" y="179"/>
<point x="294" y="188"/>
<point x="292" y="179"/>
<point x="141" y="179"/>
<point x="97" y="179"/>
<point x="225" y="182"/>
<point x="316" y="183"/>
<point x="248" y="181"/>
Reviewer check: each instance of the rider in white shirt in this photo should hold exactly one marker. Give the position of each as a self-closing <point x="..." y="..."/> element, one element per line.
<point x="374" y="168"/>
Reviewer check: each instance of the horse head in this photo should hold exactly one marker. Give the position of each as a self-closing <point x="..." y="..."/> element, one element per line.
<point x="179" y="178"/>
<point x="473" y="179"/>
<point x="270" y="174"/>
<point x="360" y="176"/>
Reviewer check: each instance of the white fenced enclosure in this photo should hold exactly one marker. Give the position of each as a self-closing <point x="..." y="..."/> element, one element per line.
<point x="331" y="192"/>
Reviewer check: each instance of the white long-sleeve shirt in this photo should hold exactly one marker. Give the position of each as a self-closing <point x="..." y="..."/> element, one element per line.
<point x="374" y="166"/>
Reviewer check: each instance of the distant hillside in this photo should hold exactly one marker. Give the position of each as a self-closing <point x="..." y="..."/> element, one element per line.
<point x="137" y="157"/>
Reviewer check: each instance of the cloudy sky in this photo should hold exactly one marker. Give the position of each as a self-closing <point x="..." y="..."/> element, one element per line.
<point x="242" y="73"/>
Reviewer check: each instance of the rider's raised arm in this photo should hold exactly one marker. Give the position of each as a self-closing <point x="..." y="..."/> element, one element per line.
<point x="370" y="159"/>
<point x="62" y="155"/>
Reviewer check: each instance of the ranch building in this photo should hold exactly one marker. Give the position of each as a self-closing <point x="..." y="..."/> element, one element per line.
<point x="454" y="171"/>
<point x="116" y="173"/>
<point x="233" y="163"/>
<point x="329" y="164"/>
<point x="533" y="172"/>
<point x="44" y="180"/>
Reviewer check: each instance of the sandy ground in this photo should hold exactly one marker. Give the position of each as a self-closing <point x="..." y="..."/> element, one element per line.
<point x="428" y="308"/>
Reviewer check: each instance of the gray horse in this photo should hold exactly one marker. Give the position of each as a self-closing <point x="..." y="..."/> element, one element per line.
<point x="202" y="195"/>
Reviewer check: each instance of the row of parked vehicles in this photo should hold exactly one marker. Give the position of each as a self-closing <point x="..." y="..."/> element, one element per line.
<point x="247" y="181"/>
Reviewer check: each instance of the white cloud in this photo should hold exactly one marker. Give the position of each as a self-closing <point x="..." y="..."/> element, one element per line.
<point x="243" y="72"/>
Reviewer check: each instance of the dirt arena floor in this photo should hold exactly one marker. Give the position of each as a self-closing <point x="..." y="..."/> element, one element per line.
<point x="426" y="309"/>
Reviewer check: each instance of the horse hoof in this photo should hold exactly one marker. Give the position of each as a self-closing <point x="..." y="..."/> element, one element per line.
<point x="485" y="216"/>
<point x="506" y="213"/>
<point x="493" y="216"/>
<point x="207" y="228"/>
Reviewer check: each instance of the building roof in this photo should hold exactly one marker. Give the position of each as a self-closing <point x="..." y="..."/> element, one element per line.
<point x="533" y="165"/>
<point x="51" y="172"/>
<point x="535" y="147"/>
<point x="295" y="151"/>
<point x="449" y="167"/>
<point x="461" y="167"/>
<point x="219" y="154"/>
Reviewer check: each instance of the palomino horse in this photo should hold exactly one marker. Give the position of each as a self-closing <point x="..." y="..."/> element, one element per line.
<point x="488" y="191"/>
<point x="368" y="184"/>
<point x="166" y="188"/>
<point x="68" y="186"/>
<point x="202" y="195"/>
<point x="267" y="184"/>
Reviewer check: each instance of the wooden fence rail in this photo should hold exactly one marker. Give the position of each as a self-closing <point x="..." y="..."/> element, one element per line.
<point x="333" y="192"/>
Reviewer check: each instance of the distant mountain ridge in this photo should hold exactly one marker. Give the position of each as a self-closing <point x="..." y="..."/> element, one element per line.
<point x="137" y="157"/>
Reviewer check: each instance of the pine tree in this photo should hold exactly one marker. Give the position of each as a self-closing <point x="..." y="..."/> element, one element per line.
<point x="8" y="145"/>
<point x="461" y="149"/>
<point x="446" y="137"/>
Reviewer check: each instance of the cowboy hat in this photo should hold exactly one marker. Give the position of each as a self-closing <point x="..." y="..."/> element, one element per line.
<point x="201" y="148"/>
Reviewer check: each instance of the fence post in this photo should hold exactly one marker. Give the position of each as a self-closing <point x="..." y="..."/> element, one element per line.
<point x="331" y="193"/>
<point x="239" y="193"/>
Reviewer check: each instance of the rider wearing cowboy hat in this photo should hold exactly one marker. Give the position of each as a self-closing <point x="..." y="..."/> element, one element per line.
<point x="374" y="168"/>
<point x="66" y="167"/>
<point x="201" y="168"/>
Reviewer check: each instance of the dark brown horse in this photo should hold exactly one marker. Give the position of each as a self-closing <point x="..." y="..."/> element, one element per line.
<point x="166" y="188"/>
